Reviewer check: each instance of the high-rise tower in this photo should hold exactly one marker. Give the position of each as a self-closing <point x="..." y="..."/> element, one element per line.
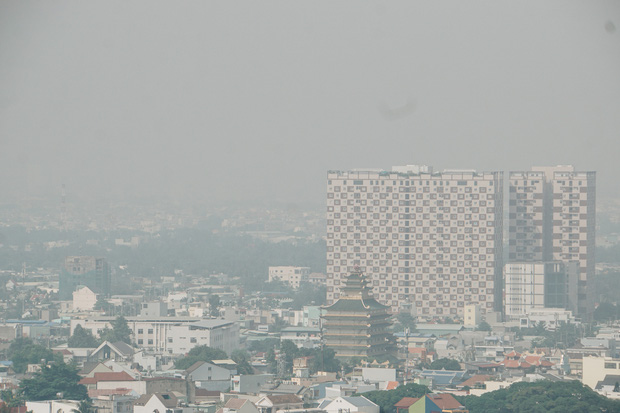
<point x="552" y="212"/>
<point x="428" y="240"/>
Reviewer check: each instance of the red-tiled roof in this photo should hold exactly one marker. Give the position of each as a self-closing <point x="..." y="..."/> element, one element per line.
<point x="107" y="376"/>
<point x="406" y="402"/>
<point x="392" y="385"/>
<point x="473" y="380"/>
<point x="445" y="401"/>
<point x="235" y="403"/>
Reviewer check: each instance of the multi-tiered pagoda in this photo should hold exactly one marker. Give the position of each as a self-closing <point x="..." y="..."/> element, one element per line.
<point x="356" y="325"/>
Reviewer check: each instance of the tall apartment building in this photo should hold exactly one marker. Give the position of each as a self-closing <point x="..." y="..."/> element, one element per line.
<point x="552" y="218"/>
<point x="428" y="240"/>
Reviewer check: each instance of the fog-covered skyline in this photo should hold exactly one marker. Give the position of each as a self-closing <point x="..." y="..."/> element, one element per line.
<point x="257" y="100"/>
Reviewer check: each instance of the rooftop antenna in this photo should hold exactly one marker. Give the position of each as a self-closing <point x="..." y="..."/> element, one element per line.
<point x="63" y="209"/>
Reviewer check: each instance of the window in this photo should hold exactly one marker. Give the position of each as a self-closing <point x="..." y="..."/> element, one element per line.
<point x="192" y="340"/>
<point x="150" y="341"/>
<point x="140" y="331"/>
<point x="150" y="331"/>
<point x="140" y="341"/>
<point x="610" y="365"/>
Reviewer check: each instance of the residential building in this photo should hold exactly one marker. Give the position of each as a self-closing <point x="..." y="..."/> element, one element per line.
<point x="595" y="369"/>
<point x="91" y="272"/>
<point x="472" y="315"/>
<point x="431" y="241"/>
<point x="552" y="218"/>
<point x="535" y="285"/>
<point x="56" y="406"/>
<point x="292" y="276"/>
<point x="356" y="324"/>
<point x="158" y="402"/>
<point x="303" y="337"/>
<point x="210" y="376"/>
<point x="235" y="405"/>
<point x="433" y="402"/>
<point x="84" y="299"/>
<point x="358" y="404"/>
<point x="173" y="335"/>
<point x="275" y="402"/>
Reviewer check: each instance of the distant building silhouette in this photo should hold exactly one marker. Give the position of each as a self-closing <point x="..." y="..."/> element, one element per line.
<point x="91" y="272"/>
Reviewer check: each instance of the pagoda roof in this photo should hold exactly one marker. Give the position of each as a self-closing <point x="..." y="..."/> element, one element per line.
<point x="356" y="304"/>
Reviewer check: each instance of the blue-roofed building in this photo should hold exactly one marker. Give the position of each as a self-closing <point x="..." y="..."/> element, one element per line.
<point x="440" y="379"/>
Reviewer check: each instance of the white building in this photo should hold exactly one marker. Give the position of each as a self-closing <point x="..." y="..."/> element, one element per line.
<point x="84" y="299"/>
<point x="596" y="368"/>
<point x="303" y="337"/>
<point x="352" y="405"/>
<point x="472" y="316"/>
<point x="173" y="335"/>
<point x="534" y="285"/>
<point x="293" y="276"/>
<point x="54" y="406"/>
<point x="552" y="317"/>
<point x="431" y="240"/>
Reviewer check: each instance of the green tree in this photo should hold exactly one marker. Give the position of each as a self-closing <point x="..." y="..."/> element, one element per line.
<point x="445" y="363"/>
<point x="86" y="406"/>
<point x="214" y="305"/>
<point x="51" y="380"/>
<point x="242" y="358"/>
<point x="405" y="320"/>
<point x="484" y="326"/>
<point x="10" y="398"/>
<point x="606" y="312"/>
<point x="24" y="351"/>
<point x="82" y="338"/>
<point x="541" y="396"/>
<point x="102" y="305"/>
<point x="200" y="353"/>
<point x="120" y="331"/>
<point x="270" y="358"/>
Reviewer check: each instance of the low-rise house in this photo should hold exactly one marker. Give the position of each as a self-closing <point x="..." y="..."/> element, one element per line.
<point x="442" y="402"/>
<point x="249" y="383"/>
<point x="54" y="406"/>
<point x="209" y="376"/>
<point x="238" y="406"/>
<point x="403" y="405"/>
<point x="118" y="351"/>
<point x="156" y="403"/>
<point x="112" y="380"/>
<point x="115" y="401"/>
<point x="351" y="405"/>
<point x="275" y="402"/>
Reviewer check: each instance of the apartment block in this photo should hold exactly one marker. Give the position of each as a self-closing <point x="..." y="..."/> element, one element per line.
<point x="534" y="285"/>
<point x="431" y="241"/>
<point x="552" y="212"/>
<point x="292" y="276"/>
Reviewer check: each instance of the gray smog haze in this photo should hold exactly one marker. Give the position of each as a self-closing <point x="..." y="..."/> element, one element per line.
<point x="256" y="100"/>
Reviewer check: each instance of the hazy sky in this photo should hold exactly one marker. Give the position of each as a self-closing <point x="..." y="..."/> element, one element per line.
<point x="258" y="99"/>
